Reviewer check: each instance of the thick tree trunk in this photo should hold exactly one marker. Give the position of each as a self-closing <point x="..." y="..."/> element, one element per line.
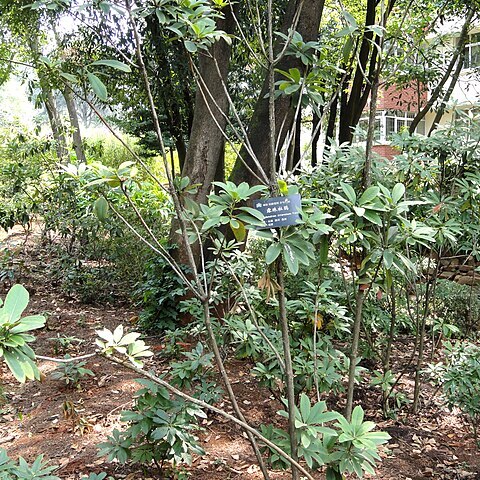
<point x="354" y="102"/>
<point x="206" y="144"/>
<point x="75" y="124"/>
<point x="307" y="26"/>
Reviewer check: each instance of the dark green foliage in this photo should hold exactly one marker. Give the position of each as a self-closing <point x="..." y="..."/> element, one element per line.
<point x="458" y="305"/>
<point x="71" y="372"/>
<point x="159" y="293"/>
<point x="160" y="429"/>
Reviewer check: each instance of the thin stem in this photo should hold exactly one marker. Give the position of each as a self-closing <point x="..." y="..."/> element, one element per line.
<point x="65" y="360"/>
<point x="228" y="386"/>
<point x="288" y="365"/>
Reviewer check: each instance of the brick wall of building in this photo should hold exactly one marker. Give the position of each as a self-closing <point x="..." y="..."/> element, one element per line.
<point x="386" y="151"/>
<point x="404" y="99"/>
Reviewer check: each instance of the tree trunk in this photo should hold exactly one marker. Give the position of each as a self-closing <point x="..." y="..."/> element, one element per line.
<point x="315" y="138"/>
<point x="354" y="102"/>
<point x="48" y="98"/>
<point x="206" y="144"/>
<point x="76" y="135"/>
<point x="359" y="299"/>
<point x="308" y="25"/>
<point x="448" y="93"/>
<point x="56" y="125"/>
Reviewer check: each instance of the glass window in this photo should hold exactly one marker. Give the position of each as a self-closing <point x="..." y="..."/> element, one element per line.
<point x="421" y="127"/>
<point x="472" y="51"/>
<point x="388" y="123"/>
<point x="390" y="127"/>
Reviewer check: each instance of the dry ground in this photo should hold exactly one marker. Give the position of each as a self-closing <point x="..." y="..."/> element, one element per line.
<point x="434" y="444"/>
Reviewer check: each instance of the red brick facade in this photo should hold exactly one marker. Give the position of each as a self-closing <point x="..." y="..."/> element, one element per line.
<point x="405" y="99"/>
<point x="386" y="151"/>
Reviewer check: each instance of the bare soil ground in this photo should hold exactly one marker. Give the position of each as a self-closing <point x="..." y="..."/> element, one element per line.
<point x="66" y="425"/>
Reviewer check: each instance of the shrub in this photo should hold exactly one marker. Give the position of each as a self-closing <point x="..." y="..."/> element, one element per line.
<point x="159" y="292"/>
<point x="461" y="380"/>
<point x="160" y="429"/>
<point x="21" y="470"/>
<point x="344" y="447"/>
<point x="71" y="372"/>
<point x="458" y="305"/>
<point x="14" y="338"/>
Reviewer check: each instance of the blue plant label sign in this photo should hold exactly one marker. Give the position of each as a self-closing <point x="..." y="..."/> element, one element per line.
<point x="280" y="211"/>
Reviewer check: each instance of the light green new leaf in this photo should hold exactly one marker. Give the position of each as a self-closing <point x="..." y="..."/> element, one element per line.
<point x="16" y="302"/>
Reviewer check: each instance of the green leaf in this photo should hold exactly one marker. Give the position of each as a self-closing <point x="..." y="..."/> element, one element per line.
<point x="68" y="76"/>
<point x="388" y="259"/>
<point x="98" y="86"/>
<point x="290" y="259"/>
<point x="211" y="222"/>
<point x="15" y="303"/>
<point x="253" y="212"/>
<point x="15" y="366"/>
<point x="398" y="192"/>
<point x="114" y="64"/>
<point x="272" y="253"/>
<point x="357" y="415"/>
<point x="101" y="208"/>
<point x="360" y="211"/>
<point x="304" y="408"/>
<point x="350" y="19"/>
<point x="349" y="192"/>
<point x="190" y="46"/>
<point x="373" y="217"/>
<point x="369" y="195"/>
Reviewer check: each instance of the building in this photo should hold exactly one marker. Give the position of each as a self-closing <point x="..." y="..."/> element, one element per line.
<point x="397" y="107"/>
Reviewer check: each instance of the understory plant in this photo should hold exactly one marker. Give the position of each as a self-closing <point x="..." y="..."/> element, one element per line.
<point x="71" y="372"/>
<point x="160" y="430"/>
<point x="21" y="470"/>
<point x="459" y="377"/>
<point x="14" y="336"/>
<point x="329" y="439"/>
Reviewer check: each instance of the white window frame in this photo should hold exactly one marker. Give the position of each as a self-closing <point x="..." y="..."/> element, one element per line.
<point x="400" y="119"/>
<point x="469" y="46"/>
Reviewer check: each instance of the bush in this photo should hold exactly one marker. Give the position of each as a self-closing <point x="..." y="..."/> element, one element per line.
<point x="458" y="305"/>
<point x="160" y="430"/>
<point x="461" y="380"/>
<point x="158" y="293"/>
<point x="21" y="470"/>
